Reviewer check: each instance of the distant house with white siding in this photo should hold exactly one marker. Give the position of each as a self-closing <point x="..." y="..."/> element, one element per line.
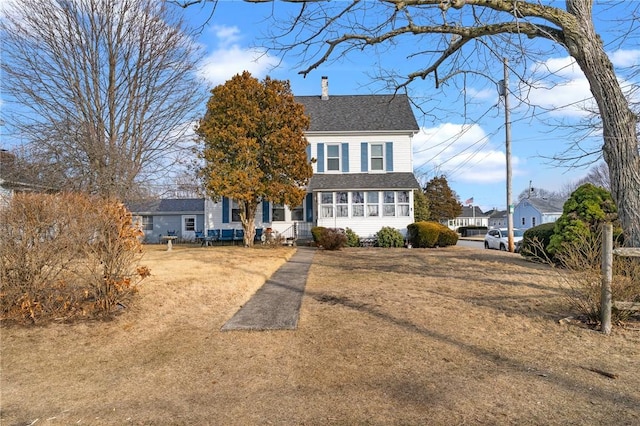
<point x="470" y="216"/>
<point x="497" y="218"/>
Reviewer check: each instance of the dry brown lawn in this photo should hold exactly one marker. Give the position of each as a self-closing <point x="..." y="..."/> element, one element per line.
<point x="386" y="336"/>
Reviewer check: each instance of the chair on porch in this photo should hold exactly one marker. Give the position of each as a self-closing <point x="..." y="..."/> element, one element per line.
<point x="213" y="235"/>
<point x="227" y="235"/>
<point x="199" y="236"/>
<point x="238" y="235"/>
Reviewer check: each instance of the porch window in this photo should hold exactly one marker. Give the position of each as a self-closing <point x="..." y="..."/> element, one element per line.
<point x="342" y="204"/>
<point x="147" y="223"/>
<point x="372" y="204"/>
<point x="326" y="204"/>
<point x="333" y="158"/>
<point x="357" y="204"/>
<point x="389" y="203"/>
<point x="403" y="203"/>
<point x="277" y="213"/>
<point x="377" y="156"/>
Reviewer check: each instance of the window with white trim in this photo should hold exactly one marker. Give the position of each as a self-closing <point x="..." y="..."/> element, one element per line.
<point x="403" y="203"/>
<point x="357" y="204"/>
<point x="190" y="223"/>
<point x="377" y="156"/>
<point x="147" y="223"/>
<point x="235" y="211"/>
<point x="389" y="203"/>
<point x="277" y="213"/>
<point x="373" y="209"/>
<point x="333" y="158"/>
<point x="342" y="204"/>
<point x="326" y="204"/>
<point x="533" y="221"/>
<point x="297" y="213"/>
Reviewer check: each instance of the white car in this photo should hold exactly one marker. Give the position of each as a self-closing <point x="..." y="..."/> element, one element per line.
<point x="498" y="239"/>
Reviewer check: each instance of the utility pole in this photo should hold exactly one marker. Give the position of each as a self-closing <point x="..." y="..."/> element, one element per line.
<point x="504" y="91"/>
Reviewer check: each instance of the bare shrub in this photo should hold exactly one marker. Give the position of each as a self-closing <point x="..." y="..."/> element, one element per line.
<point x="579" y="267"/>
<point x="66" y="255"/>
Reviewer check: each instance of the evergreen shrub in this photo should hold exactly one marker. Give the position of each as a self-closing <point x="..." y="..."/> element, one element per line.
<point x="431" y="234"/>
<point x="390" y="237"/>
<point x="353" y="240"/>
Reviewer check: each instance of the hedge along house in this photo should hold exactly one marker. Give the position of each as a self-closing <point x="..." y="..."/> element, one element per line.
<point x="363" y="174"/>
<point x="179" y="216"/>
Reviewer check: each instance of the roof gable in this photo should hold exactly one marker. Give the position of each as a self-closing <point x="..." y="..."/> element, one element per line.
<point x="352" y="113"/>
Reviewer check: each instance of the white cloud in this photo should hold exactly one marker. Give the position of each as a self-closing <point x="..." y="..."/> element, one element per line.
<point x="230" y="58"/>
<point x="561" y="88"/>
<point x="460" y="151"/>
<point x="625" y="58"/>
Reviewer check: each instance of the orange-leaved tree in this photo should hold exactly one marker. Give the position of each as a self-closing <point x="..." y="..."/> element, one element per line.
<point x="253" y="146"/>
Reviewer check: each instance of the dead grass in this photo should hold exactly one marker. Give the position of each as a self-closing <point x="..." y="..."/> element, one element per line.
<point x="386" y="336"/>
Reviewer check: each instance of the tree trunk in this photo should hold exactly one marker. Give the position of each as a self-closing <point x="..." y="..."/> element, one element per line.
<point x="248" y="218"/>
<point x="620" y="147"/>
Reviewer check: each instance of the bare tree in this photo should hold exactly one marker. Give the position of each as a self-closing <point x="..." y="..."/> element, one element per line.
<point x="598" y="175"/>
<point x="103" y="91"/>
<point x="457" y="39"/>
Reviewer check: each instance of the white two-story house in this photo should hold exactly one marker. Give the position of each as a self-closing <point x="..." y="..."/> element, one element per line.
<point x="362" y="177"/>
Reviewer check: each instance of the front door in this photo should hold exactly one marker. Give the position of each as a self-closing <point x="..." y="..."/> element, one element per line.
<point x="189" y="227"/>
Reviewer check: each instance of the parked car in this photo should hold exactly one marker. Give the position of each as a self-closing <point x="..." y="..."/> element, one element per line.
<point x="498" y="239"/>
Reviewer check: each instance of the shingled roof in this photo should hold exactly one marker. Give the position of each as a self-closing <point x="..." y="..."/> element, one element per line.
<point x="352" y="113"/>
<point x="547" y="205"/>
<point x="364" y="181"/>
<point x="171" y="205"/>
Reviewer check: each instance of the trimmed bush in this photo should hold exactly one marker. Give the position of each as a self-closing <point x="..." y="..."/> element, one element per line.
<point x="535" y="241"/>
<point x="390" y="237"/>
<point x="431" y="234"/>
<point x="447" y="237"/>
<point x="353" y="240"/>
<point x="316" y="233"/>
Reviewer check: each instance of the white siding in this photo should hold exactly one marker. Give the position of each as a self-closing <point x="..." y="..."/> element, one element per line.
<point x="402" y="154"/>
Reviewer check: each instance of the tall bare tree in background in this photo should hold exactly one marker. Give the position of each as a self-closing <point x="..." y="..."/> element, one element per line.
<point x="102" y="91"/>
<point x="456" y="40"/>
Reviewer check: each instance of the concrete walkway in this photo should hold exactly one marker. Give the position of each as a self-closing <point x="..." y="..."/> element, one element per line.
<point x="276" y="305"/>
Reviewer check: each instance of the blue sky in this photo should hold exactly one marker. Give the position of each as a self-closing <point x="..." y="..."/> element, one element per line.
<point x="470" y="153"/>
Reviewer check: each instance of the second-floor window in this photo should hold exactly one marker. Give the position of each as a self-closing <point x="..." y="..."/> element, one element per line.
<point x="333" y="157"/>
<point x="377" y="156"/>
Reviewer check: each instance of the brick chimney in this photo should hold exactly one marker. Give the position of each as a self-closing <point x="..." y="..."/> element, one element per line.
<point x="325" y="88"/>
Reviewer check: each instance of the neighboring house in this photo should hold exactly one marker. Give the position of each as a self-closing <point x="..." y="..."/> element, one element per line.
<point x="470" y="216"/>
<point x="363" y="174"/>
<point x="160" y="217"/>
<point x="12" y="181"/>
<point x="530" y="212"/>
<point x="497" y="218"/>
